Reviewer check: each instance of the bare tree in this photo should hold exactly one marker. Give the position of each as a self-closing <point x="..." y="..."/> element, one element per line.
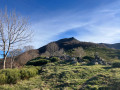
<point x="12" y="54"/>
<point x="60" y="52"/>
<point x="52" y="48"/>
<point x="78" y="52"/>
<point x="27" y="48"/>
<point x="13" y="31"/>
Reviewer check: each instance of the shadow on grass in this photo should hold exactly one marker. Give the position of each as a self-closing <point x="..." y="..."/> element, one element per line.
<point x="65" y="85"/>
<point x="107" y="67"/>
<point x="99" y="79"/>
<point x="104" y="82"/>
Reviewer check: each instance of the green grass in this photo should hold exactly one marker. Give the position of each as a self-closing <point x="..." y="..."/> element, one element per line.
<point x="106" y="53"/>
<point x="12" y="76"/>
<point x="65" y="76"/>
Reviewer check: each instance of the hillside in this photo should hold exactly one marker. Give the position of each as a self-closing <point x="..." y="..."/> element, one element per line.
<point x="115" y="46"/>
<point x="65" y="76"/>
<point x="67" y="44"/>
<point x="65" y="47"/>
<point x="66" y="64"/>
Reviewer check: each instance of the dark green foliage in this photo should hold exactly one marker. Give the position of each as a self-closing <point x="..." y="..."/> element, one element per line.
<point x="88" y="58"/>
<point x="54" y="59"/>
<point x="38" y="58"/>
<point x="116" y="65"/>
<point x="38" y="62"/>
<point x="42" y="61"/>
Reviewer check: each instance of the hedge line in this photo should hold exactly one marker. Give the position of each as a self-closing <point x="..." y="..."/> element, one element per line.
<point x="116" y="65"/>
<point x="38" y="62"/>
<point x="11" y="76"/>
<point x="41" y="61"/>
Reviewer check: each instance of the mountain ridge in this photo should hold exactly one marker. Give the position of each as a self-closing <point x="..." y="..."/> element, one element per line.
<point x="57" y="47"/>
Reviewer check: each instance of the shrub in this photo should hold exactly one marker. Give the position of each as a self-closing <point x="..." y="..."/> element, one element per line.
<point x="116" y="65"/>
<point x="3" y="79"/>
<point x="88" y="58"/>
<point x="38" y="58"/>
<point x="26" y="73"/>
<point x="38" y="62"/>
<point x="54" y="59"/>
<point x="12" y="75"/>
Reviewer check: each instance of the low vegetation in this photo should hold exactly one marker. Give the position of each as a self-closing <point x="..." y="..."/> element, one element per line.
<point x="42" y="61"/>
<point x="116" y="64"/>
<point x="62" y="75"/>
<point x="52" y="73"/>
<point x="106" y="53"/>
<point x="12" y="76"/>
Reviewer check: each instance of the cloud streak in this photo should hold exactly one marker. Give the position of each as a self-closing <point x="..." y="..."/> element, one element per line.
<point x="98" y="25"/>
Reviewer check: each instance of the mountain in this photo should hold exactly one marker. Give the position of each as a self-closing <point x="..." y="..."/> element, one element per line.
<point x="67" y="44"/>
<point x="57" y="48"/>
<point x="115" y="46"/>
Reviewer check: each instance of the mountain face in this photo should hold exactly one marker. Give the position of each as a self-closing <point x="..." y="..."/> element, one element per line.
<point x="67" y="44"/>
<point x="115" y="46"/>
<point x="56" y="48"/>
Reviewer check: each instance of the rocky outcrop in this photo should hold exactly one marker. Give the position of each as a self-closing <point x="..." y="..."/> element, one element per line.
<point x="98" y="60"/>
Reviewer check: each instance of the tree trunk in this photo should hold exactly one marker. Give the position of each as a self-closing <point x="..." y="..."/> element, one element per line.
<point x="11" y="63"/>
<point x="5" y="56"/>
<point x="4" y="63"/>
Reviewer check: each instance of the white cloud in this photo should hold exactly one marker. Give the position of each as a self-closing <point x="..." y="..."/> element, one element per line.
<point x="46" y="30"/>
<point x="103" y="23"/>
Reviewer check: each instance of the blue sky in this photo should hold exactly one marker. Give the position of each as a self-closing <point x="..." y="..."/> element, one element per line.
<point x="87" y="20"/>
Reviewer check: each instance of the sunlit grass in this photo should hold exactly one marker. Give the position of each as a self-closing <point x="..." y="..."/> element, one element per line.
<point x="57" y="76"/>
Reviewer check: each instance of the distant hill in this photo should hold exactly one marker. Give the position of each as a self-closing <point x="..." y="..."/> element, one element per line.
<point x="64" y="45"/>
<point x="115" y="46"/>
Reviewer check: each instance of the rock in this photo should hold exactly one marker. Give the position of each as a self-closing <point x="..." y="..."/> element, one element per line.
<point x="98" y="60"/>
<point x="95" y="63"/>
<point x="74" y="62"/>
<point x="83" y="62"/>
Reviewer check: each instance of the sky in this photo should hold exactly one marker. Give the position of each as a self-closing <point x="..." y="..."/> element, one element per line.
<point x="87" y="20"/>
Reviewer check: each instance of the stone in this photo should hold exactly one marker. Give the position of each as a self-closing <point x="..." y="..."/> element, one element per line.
<point x="95" y="63"/>
<point x="74" y="62"/>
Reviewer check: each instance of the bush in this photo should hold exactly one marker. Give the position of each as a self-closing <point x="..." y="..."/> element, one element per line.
<point x="26" y="73"/>
<point x="3" y="79"/>
<point x="116" y="65"/>
<point x="38" y="58"/>
<point x="88" y="58"/>
<point x="37" y="62"/>
<point x="12" y="75"/>
<point x="54" y="59"/>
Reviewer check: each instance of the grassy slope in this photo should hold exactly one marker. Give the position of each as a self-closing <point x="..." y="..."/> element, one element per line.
<point x="64" y="76"/>
<point x="106" y="53"/>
